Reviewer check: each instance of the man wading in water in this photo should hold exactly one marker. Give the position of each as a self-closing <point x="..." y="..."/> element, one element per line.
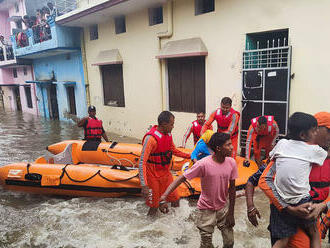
<point x="154" y="164"/>
<point x="216" y="172"/>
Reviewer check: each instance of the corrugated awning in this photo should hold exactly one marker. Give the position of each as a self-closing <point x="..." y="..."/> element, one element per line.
<point x="108" y="57"/>
<point x="183" y="48"/>
<point x="39" y="82"/>
<point x="66" y="83"/>
<point x="13" y="85"/>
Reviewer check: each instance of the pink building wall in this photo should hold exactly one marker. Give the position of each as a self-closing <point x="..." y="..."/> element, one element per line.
<point x="21" y="12"/>
<point x="7" y="75"/>
<point x="5" y="25"/>
<point x="21" y="79"/>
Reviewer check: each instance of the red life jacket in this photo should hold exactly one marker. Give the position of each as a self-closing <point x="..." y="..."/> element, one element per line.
<point x="162" y="157"/>
<point x="224" y="121"/>
<point x="93" y="129"/>
<point x="196" y="130"/>
<point x="319" y="180"/>
<point x="268" y="130"/>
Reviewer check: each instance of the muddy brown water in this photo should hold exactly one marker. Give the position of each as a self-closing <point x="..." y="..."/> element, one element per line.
<point x="46" y="221"/>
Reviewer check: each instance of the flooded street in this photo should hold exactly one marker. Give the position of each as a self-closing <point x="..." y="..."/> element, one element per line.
<point x="38" y="221"/>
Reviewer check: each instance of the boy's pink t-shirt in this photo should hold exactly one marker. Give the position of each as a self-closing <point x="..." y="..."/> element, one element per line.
<point x="214" y="181"/>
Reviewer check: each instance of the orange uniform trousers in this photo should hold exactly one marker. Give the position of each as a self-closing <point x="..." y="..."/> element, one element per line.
<point x="263" y="142"/>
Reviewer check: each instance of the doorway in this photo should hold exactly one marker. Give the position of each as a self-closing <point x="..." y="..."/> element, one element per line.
<point x="17" y="98"/>
<point x="266" y="79"/>
<point x="53" y="105"/>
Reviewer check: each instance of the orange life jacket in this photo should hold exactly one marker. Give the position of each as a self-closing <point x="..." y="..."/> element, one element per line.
<point x="224" y="121"/>
<point x="319" y="180"/>
<point x="268" y="130"/>
<point x="93" y="129"/>
<point x="162" y="156"/>
<point x="196" y="130"/>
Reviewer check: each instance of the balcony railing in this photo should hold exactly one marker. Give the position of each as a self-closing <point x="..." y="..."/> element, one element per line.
<point x="6" y="52"/>
<point x="47" y="36"/>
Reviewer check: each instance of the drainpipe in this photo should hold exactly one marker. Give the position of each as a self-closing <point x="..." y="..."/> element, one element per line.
<point x="84" y="61"/>
<point x="160" y="36"/>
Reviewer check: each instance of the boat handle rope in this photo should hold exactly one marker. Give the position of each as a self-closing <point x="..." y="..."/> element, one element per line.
<point x="191" y="188"/>
<point x="120" y="159"/>
<point x="124" y="153"/>
<point x="64" y="172"/>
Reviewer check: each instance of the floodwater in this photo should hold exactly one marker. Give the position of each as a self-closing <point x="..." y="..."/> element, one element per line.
<point x="38" y="221"/>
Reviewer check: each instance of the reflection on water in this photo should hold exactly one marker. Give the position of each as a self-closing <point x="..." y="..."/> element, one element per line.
<point x="38" y="221"/>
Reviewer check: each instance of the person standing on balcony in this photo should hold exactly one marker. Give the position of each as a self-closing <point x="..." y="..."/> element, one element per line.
<point x="227" y="119"/>
<point x="93" y="127"/>
<point x="26" y="21"/>
<point x="52" y="10"/>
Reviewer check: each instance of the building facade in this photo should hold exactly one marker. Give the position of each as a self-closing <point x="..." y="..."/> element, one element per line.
<point x="185" y="55"/>
<point x="15" y="94"/>
<point x="55" y="54"/>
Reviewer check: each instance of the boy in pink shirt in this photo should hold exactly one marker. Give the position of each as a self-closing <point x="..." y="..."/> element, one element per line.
<point x="216" y="171"/>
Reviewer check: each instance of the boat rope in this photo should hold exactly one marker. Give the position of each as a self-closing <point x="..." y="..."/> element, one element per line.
<point x="123" y="153"/>
<point x="120" y="159"/>
<point x="64" y="172"/>
<point x="191" y="188"/>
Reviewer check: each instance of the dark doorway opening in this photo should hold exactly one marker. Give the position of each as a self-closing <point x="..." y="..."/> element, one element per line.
<point x="71" y="100"/>
<point x="17" y="99"/>
<point x="53" y="108"/>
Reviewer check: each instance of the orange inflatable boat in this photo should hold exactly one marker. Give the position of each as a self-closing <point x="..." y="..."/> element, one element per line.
<point x="79" y="180"/>
<point x="109" y="153"/>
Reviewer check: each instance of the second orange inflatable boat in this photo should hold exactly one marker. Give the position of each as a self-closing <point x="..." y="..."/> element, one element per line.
<point x="109" y="153"/>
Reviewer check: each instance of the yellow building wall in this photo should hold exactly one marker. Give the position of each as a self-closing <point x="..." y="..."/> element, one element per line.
<point x="223" y="32"/>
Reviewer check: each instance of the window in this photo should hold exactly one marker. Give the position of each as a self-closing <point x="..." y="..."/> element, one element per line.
<point x="186" y="79"/>
<point x="203" y="6"/>
<point x="14" y="72"/>
<point x="25" y="71"/>
<point x="155" y="16"/>
<point x="113" y="85"/>
<point x="93" y="32"/>
<point x="120" y="24"/>
<point x="71" y="100"/>
<point x="16" y="7"/>
<point x="28" y="96"/>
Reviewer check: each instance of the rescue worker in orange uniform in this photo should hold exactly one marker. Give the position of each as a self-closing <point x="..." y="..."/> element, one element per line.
<point x="227" y="120"/>
<point x="93" y="128"/>
<point x="319" y="181"/>
<point x="154" y="164"/>
<point x="263" y="132"/>
<point x="195" y="128"/>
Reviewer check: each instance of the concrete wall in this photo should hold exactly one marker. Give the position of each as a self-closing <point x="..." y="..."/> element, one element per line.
<point x="223" y="32"/>
<point x="6" y="77"/>
<point x="21" y="12"/>
<point x="4" y="25"/>
<point x="141" y="74"/>
<point x="21" y="78"/>
<point x="65" y="68"/>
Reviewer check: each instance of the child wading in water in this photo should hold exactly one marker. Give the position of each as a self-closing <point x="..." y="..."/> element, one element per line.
<point x="217" y="172"/>
<point x="293" y="158"/>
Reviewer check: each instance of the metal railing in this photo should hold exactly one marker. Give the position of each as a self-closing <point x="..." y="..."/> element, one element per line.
<point x="266" y="58"/>
<point x="65" y="6"/>
<point x="39" y="33"/>
<point x="6" y="52"/>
